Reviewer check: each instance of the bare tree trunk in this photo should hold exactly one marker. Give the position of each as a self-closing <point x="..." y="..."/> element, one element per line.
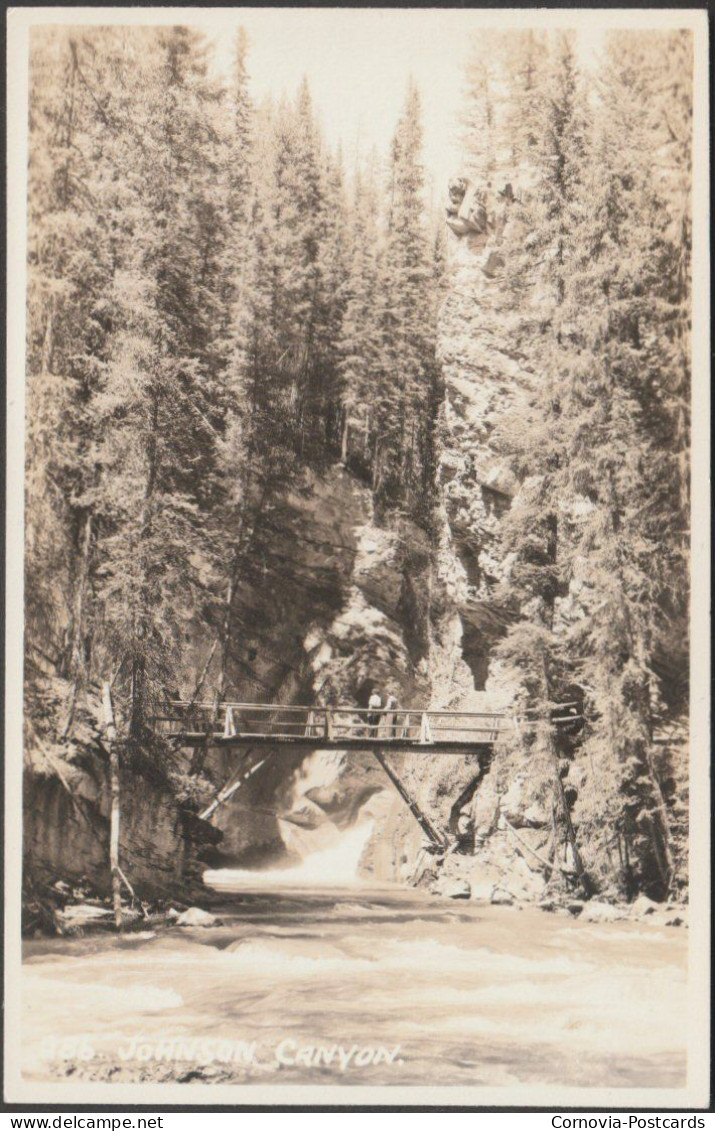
<point x="570" y="831"/>
<point x="115" y="805"/>
<point x="78" y="664"/>
<point x="548" y="744"/>
<point x="344" y="440"/>
<point x="143" y="618"/>
<point x="48" y="340"/>
<point x="200" y="752"/>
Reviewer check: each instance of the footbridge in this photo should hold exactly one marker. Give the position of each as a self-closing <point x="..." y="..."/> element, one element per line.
<point x="349" y="728"/>
<point x="260" y="732"/>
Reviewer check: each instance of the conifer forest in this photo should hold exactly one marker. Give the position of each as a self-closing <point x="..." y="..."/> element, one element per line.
<point x="302" y="425"/>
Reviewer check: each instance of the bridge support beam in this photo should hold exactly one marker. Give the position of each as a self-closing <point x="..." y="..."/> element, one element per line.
<point x="233" y="784"/>
<point x="433" y="834"/>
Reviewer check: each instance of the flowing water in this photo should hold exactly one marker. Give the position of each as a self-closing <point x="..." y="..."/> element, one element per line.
<point x="311" y="981"/>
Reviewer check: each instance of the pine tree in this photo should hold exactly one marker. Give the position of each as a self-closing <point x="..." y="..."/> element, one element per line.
<point x="403" y="465"/>
<point x="155" y="419"/>
<point x="594" y="269"/>
<point x="359" y="339"/>
<point x="480" y="125"/>
<point x="536" y="533"/>
<point x="621" y="457"/>
<point x="333" y="264"/>
<point x="73" y="202"/>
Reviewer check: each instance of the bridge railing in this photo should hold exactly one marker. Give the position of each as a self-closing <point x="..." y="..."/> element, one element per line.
<point x="332" y="724"/>
<point x="336" y="724"/>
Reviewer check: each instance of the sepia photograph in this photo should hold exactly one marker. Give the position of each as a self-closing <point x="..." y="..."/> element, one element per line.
<point x="357" y="740"/>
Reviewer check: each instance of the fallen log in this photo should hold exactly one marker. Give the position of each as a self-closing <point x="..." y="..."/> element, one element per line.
<point x="542" y="860"/>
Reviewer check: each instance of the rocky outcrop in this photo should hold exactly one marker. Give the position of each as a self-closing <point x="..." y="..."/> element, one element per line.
<point x="197" y="917"/>
<point x="387" y="618"/>
<point x="486" y="374"/>
<point x="66" y="804"/>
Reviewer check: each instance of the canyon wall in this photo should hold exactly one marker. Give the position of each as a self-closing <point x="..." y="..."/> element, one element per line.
<point x="66" y="807"/>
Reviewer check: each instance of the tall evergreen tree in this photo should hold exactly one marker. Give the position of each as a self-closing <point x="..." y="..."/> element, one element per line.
<point x="536" y="532"/>
<point x="403" y="461"/>
<point x="359" y="339"/>
<point x="153" y="419"/>
<point x="622" y="458"/>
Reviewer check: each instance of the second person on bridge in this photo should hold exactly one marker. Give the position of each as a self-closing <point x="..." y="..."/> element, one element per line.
<point x="374" y="708"/>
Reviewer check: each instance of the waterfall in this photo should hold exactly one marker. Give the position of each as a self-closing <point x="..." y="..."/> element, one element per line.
<point x="336" y="864"/>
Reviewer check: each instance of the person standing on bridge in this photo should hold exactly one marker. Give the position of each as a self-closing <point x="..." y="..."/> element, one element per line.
<point x="374" y="708"/>
<point x="391" y="717"/>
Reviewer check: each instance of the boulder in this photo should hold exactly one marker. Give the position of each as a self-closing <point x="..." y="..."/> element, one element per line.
<point x="554" y="907"/>
<point x="513" y="800"/>
<point x="452" y="888"/>
<point x="482" y="890"/>
<point x="195" y="917"/>
<point x="427" y="878"/>
<point x="644" y="906"/>
<point x="503" y="897"/>
<point x="378" y="569"/>
<point x="535" y="816"/>
<point x="485" y="810"/>
<point x="501" y="478"/>
<point x="77" y="914"/>
<point x="595" y="912"/>
<point x="676" y="921"/>
<point x="306" y="815"/>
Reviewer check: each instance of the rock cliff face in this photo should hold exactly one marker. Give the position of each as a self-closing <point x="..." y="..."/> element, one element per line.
<point x="486" y="374"/>
<point x="66" y="804"/>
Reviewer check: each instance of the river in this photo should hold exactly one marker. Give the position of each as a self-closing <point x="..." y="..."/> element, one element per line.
<point x="308" y="981"/>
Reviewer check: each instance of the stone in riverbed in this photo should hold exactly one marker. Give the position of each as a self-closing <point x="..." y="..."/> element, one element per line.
<point x="502" y="897"/>
<point x="644" y="906"/>
<point x="452" y="888"/>
<point x="196" y="917"/>
<point x="595" y="912"/>
<point x="676" y="921"/>
<point x="78" y="914"/>
<point x="482" y="891"/>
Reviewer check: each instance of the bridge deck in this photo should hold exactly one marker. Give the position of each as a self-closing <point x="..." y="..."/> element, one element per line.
<point x="189" y="738"/>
